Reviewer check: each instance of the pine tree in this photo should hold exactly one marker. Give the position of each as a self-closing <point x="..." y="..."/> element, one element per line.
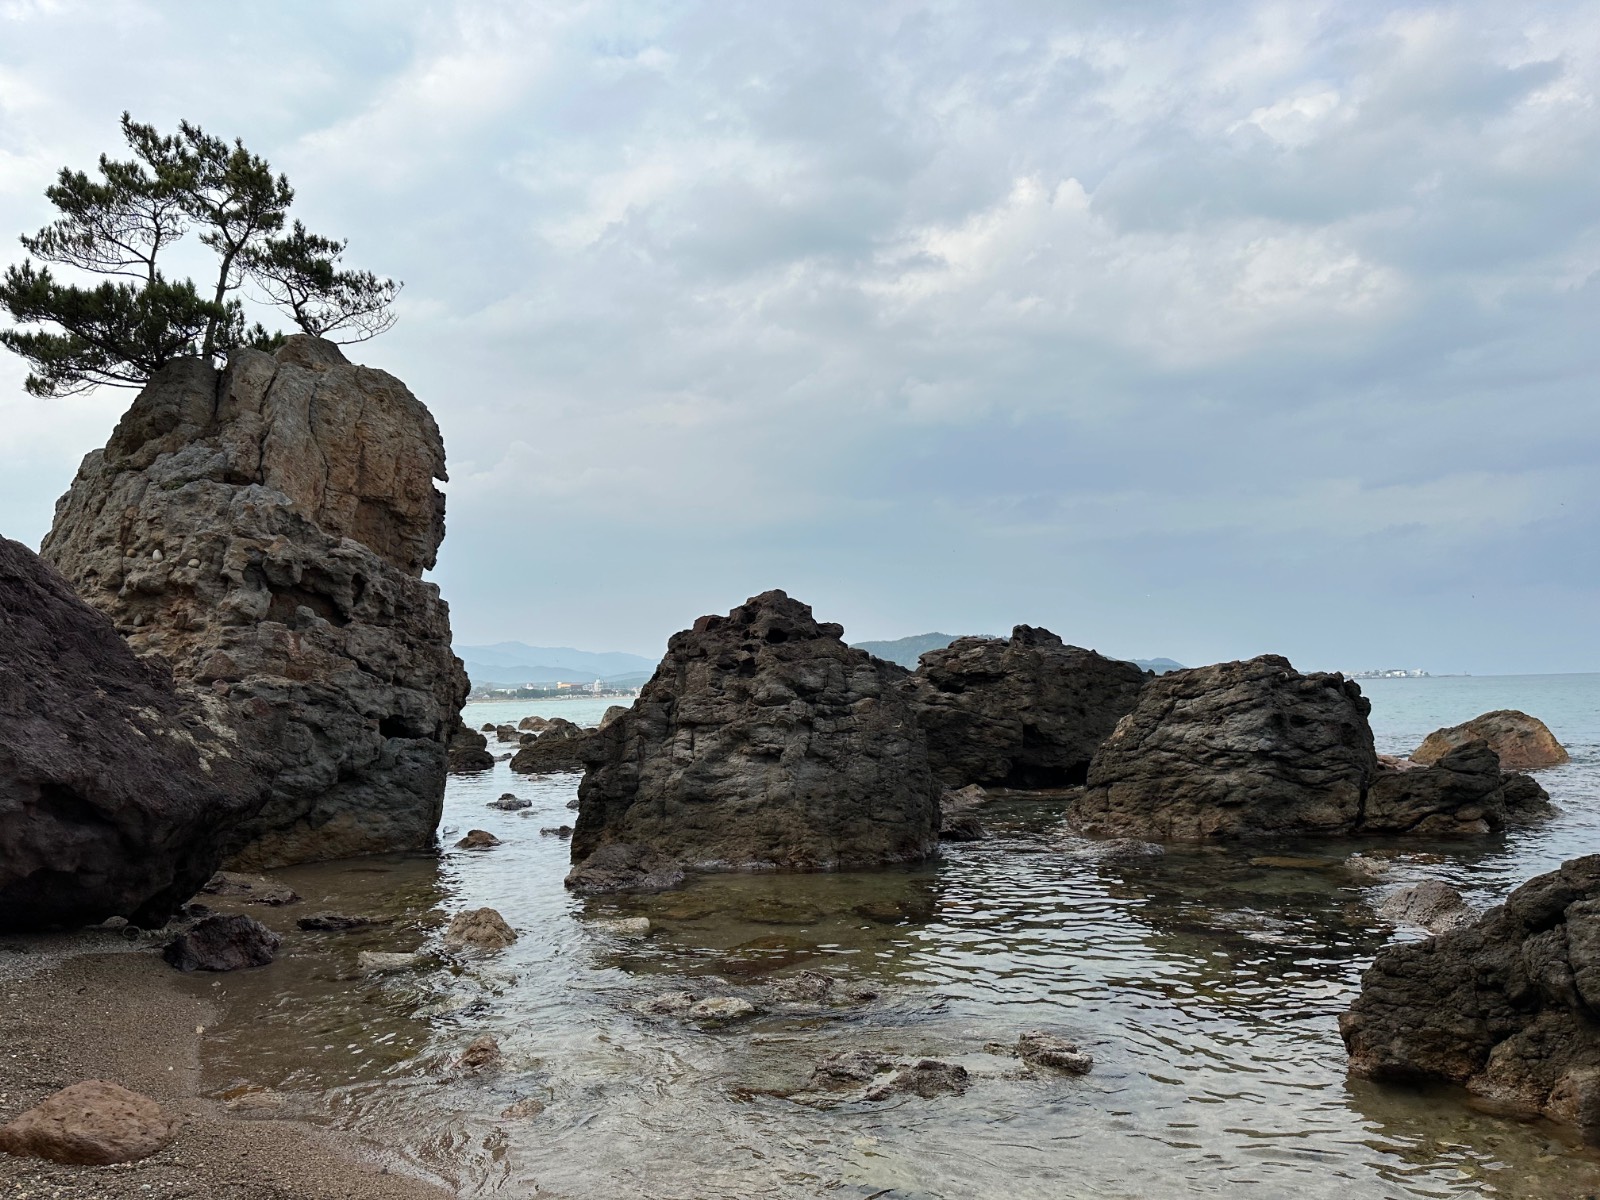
<point x="120" y="225"/>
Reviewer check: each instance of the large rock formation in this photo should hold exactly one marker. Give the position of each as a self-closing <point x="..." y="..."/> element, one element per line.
<point x="264" y="530"/>
<point x="762" y="741"/>
<point x="114" y="793"/>
<point x="1508" y="1005"/>
<point x="1523" y="743"/>
<point x="1464" y="791"/>
<point x="1027" y="711"/>
<point x="1238" y="749"/>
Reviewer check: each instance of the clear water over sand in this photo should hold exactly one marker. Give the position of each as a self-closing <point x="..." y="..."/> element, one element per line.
<point x="1205" y="982"/>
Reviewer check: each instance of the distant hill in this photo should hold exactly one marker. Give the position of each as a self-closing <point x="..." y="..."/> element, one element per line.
<point x="907" y="650"/>
<point x="517" y="664"/>
<point x="1159" y="665"/>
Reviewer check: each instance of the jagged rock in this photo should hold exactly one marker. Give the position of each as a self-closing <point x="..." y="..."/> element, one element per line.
<point x="1239" y="749"/>
<point x="720" y="1009"/>
<point x="624" y="867"/>
<point x="1028" y="711"/>
<point x="668" y="1004"/>
<point x="478" y="839"/>
<point x="223" y="943"/>
<point x="612" y="713"/>
<point x="481" y="1054"/>
<point x="252" y="889"/>
<point x="479" y="928"/>
<point x="116" y="793"/>
<point x="927" y="1077"/>
<point x="1429" y="905"/>
<point x="509" y="803"/>
<point x="300" y="487"/>
<point x="1039" y="1049"/>
<point x="1523" y="743"/>
<point x="1505" y="1005"/>
<point x="94" y="1123"/>
<point x="761" y="741"/>
<point x="467" y="751"/>
<point x="1524" y="795"/>
<point x="1462" y="792"/>
<point x="561" y="747"/>
<point x="958" y="820"/>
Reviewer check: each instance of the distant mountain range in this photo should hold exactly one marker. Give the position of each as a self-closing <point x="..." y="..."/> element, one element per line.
<point x="517" y="664"/>
<point x="907" y="651"/>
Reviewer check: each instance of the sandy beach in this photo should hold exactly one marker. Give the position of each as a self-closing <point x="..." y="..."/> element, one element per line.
<point x="91" y="1006"/>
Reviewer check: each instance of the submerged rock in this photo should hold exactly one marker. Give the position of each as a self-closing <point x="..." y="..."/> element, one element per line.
<point x="385" y="962"/>
<point x="478" y="839"/>
<point x="1039" y="1049"/>
<point x="623" y="926"/>
<point x="624" y="867"/>
<point x="93" y="1123"/>
<point x="338" y="923"/>
<point x="482" y="1054"/>
<point x="116" y="791"/>
<point x="1429" y="905"/>
<point x="252" y="889"/>
<point x="264" y="530"/>
<point x="1240" y="749"/>
<point x="761" y="741"/>
<point x="479" y="928"/>
<point x="1504" y="1005"/>
<point x="879" y="1077"/>
<point x="521" y="1110"/>
<point x="668" y="1004"/>
<point x="1026" y="711"/>
<point x="714" y="1009"/>
<point x="509" y="803"/>
<point x="223" y="943"/>
<point x="1522" y="742"/>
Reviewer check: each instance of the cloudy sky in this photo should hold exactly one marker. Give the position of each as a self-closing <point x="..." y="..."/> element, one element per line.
<point x="1186" y="329"/>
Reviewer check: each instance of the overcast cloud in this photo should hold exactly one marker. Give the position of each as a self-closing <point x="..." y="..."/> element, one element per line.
<point x="1198" y="330"/>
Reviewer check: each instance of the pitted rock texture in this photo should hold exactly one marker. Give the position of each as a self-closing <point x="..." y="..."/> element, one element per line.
<point x="1239" y="749"/>
<point x="115" y="793"/>
<point x="762" y="741"/>
<point x="264" y="531"/>
<point x="1462" y="792"/>
<point x="1508" y="1005"/>
<point x="1027" y="711"/>
<point x="1523" y="743"/>
<point x="95" y="1123"/>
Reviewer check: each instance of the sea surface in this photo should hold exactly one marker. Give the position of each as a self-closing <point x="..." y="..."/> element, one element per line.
<point x="1206" y="982"/>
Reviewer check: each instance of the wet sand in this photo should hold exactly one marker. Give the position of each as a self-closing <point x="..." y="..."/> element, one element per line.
<point x="91" y="1006"/>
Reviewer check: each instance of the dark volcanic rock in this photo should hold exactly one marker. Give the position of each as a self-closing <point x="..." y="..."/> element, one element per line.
<point x="1524" y="796"/>
<point x="762" y="741"/>
<point x="1522" y="742"/>
<point x="468" y="751"/>
<point x="561" y="747"/>
<point x="1463" y="792"/>
<point x="115" y="792"/>
<point x="264" y="530"/>
<point x="1026" y="712"/>
<point x="223" y="943"/>
<point x="1506" y="1005"/>
<point x="1239" y="749"/>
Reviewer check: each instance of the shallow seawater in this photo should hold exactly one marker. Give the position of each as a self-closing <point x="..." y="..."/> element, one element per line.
<point x="1205" y="982"/>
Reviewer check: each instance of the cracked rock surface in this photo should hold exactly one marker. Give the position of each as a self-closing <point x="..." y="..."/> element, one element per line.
<point x="263" y="530"/>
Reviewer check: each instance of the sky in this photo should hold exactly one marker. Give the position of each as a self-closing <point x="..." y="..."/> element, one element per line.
<point x="1198" y="330"/>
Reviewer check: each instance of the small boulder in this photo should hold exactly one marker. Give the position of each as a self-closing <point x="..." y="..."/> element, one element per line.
<point x="506" y="733"/>
<point x="223" y="943"/>
<point x="480" y="929"/>
<point x="721" y="1009"/>
<point x="1039" y="1049"/>
<point x="509" y="803"/>
<point x="1523" y="743"/>
<point x="668" y="1004"/>
<point x="94" y="1123"/>
<point x="481" y="1054"/>
<point x="534" y="724"/>
<point x="467" y="752"/>
<point x="478" y="839"/>
<point x="927" y="1077"/>
<point x="624" y="866"/>
<point x="1429" y="905"/>
<point x="849" y="1069"/>
<point x="560" y="831"/>
<point x="612" y="713"/>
